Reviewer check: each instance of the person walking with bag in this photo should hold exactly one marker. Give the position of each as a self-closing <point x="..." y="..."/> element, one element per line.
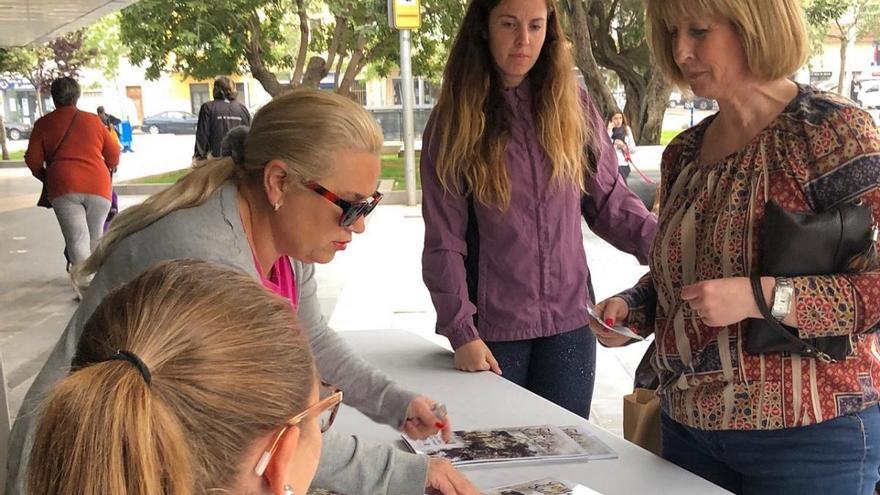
<point x="514" y="156"/>
<point x="73" y="154"/>
<point x="766" y="204"/>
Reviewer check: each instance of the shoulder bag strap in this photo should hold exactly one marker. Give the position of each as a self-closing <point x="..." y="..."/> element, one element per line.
<point x="63" y="138"/>
<point x="807" y="348"/>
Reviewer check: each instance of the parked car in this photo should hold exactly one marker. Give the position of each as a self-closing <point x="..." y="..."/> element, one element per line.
<point x="17" y="130"/>
<point x="869" y="96"/>
<point x="174" y="122"/>
<point x="701" y="103"/>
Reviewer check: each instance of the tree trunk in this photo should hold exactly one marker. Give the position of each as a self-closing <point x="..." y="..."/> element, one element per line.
<point x="653" y="109"/>
<point x="315" y="71"/>
<point x="583" y="53"/>
<point x="4" y="152"/>
<point x="646" y="94"/>
<point x="39" y="94"/>
<point x="254" y="54"/>
<point x="296" y="77"/>
<point x="844" y="40"/>
<point x="351" y="71"/>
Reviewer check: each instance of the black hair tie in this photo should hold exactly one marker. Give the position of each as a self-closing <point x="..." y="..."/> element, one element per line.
<point x="133" y="359"/>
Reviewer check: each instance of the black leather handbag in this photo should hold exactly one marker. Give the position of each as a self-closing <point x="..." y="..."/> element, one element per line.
<point x="839" y="240"/>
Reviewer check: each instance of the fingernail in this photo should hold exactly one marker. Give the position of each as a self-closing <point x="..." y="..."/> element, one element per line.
<point x="439" y="425"/>
<point x="609" y="321"/>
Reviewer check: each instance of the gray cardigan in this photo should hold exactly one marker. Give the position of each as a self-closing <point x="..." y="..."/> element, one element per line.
<point x="213" y="232"/>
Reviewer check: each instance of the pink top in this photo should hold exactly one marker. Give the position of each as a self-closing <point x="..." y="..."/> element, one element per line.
<point x="281" y="280"/>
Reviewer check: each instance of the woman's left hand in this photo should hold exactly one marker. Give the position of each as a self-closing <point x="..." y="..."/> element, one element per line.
<point x="422" y="420"/>
<point x="722" y="302"/>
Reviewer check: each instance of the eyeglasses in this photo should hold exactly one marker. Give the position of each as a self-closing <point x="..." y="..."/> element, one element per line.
<point x="325" y="409"/>
<point x="350" y="211"/>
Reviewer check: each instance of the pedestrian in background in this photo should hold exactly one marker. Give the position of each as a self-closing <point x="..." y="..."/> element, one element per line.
<point x="758" y="419"/>
<point x="622" y="140"/>
<point x="514" y="155"/>
<point x="217" y="117"/>
<point x="73" y="154"/>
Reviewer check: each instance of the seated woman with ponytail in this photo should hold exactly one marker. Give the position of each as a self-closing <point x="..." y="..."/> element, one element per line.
<point x="293" y="193"/>
<point x="164" y="398"/>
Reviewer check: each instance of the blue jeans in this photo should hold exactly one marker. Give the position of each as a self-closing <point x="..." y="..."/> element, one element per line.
<point x="838" y="456"/>
<point x="561" y="368"/>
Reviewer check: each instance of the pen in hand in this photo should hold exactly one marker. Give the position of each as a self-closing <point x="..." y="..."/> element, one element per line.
<point x="439" y="410"/>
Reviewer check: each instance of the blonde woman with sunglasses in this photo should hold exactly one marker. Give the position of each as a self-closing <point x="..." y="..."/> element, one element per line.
<point x="294" y="192"/>
<point x="163" y="397"/>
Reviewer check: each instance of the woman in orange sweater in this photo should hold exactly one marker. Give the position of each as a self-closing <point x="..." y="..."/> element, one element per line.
<point x="74" y="154"/>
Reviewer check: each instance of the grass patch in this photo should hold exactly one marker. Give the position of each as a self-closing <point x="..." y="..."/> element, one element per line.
<point x="667" y="135"/>
<point x="166" y="178"/>
<point x="16" y="155"/>
<point x="392" y="168"/>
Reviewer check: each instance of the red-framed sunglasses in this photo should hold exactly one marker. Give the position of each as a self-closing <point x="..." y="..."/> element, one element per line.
<point x="350" y="211"/>
<point x="325" y="409"/>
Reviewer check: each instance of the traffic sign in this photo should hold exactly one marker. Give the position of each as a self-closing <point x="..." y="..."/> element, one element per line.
<point x="404" y="14"/>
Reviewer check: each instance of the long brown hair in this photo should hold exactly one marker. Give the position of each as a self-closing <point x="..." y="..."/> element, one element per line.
<point x="228" y="364"/>
<point x="304" y="128"/>
<point x="471" y="119"/>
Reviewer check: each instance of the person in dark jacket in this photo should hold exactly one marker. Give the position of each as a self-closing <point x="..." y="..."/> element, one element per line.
<point x="217" y="117"/>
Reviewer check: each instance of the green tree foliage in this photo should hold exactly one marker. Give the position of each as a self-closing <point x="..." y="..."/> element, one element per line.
<point x="104" y="39"/>
<point x="300" y="39"/>
<point x="43" y="63"/>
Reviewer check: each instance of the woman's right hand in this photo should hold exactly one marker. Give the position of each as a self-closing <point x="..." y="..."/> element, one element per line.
<point x="614" y="311"/>
<point x="476" y="356"/>
<point x="445" y="479"/>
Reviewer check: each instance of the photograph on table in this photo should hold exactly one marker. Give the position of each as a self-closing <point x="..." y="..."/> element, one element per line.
<point x="543" y="486"/>
<point x="515" y="444"/>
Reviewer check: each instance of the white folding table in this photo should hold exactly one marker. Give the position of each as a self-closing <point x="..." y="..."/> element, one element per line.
<point x="484" y="400"/>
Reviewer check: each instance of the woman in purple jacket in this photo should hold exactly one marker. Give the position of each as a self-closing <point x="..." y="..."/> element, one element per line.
<point x="513" y="155"/>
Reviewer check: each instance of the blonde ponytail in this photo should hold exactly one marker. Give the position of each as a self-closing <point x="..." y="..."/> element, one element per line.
<point x="116" y="439"/>
<point x="227" y="363"/>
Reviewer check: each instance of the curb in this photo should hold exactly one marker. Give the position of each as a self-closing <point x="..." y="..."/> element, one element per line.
<point x="12" y="164"/>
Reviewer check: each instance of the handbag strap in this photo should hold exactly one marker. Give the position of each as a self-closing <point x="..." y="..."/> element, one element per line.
<point x="806" y="348"/>
<point x="63" y="138"/>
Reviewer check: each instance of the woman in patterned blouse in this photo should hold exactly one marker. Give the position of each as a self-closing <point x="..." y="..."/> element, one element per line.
<point x="775" y="423"/>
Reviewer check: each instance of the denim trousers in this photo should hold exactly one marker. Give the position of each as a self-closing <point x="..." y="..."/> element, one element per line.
<point x="560" y="368"/>
<point x="838" y="456"/>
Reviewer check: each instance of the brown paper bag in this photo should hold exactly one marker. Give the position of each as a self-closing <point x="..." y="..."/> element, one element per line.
<point x="641" y="419"/>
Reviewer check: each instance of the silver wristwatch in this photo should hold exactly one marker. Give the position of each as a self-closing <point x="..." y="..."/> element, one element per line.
<point x="783" y="298"/>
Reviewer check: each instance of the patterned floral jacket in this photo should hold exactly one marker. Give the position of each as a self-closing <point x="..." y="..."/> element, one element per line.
<point x="819" y="152"/>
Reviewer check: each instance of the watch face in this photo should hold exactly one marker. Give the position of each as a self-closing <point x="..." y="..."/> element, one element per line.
<point x="782" y="297"/>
